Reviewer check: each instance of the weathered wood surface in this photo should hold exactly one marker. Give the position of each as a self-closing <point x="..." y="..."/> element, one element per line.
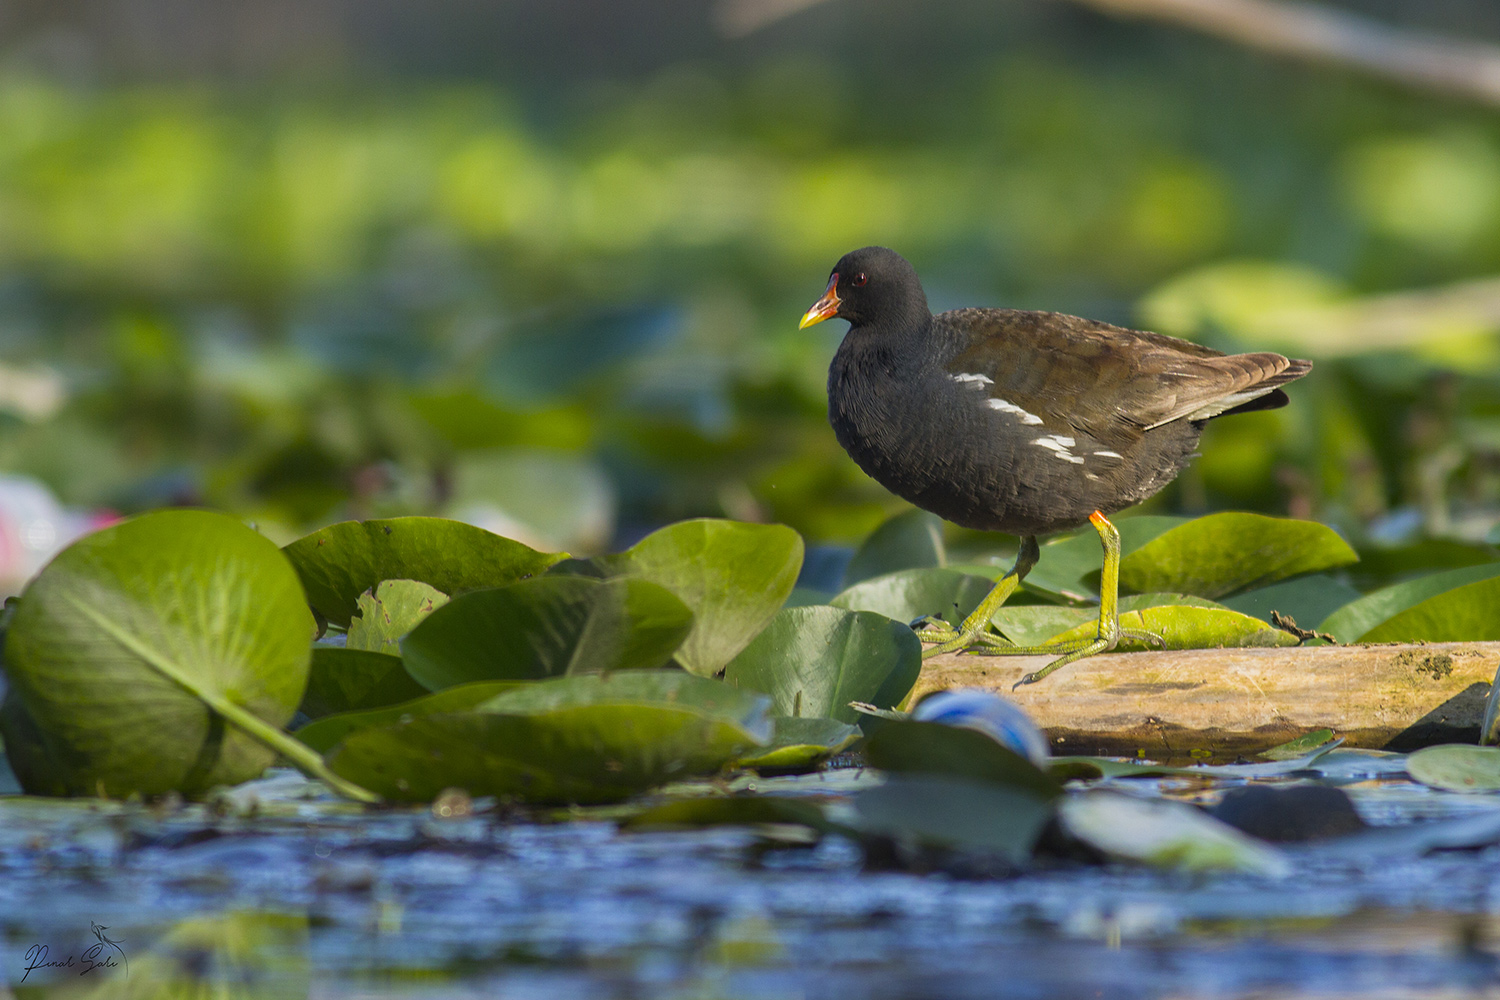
<point x="1395" y="697"/>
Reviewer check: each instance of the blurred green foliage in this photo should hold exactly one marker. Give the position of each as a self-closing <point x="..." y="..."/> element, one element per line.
<point x="568" y="311"/>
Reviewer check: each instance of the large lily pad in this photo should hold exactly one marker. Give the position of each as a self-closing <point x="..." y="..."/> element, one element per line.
<point x="577" y="739"/>
<point x="1351" y="622"/>
<point x="387" y="614"/>
<point x="910" y="540"/>
<point x="733" y="576"/>
<point x="342" y="561"/>
<point x="1224" y="553"/>
<point x="550" y="626"/>
<point x="1463" y="614"/>
<point x="1190" y="628"/>
<point x="814" y="661"/>
<point x="144" y="652"/>
<point x="350" y="680"/>
<point x="915" y="593"/>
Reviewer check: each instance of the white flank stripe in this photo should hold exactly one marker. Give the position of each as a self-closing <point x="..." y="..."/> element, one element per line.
<point x="996" y="403"/>
<point x="1109" y="454"/>
<point x="965" y="377"/>
<point x="1054" y="443"/>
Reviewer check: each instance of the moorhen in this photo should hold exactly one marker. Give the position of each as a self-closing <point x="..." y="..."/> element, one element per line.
<point x="1023" y="422"/>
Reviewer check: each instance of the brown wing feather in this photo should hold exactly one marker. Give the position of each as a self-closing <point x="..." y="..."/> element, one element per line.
<point x="1060" y="365"/>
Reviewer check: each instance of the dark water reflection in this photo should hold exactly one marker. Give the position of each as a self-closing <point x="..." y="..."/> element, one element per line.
<point x="309" y="898"/>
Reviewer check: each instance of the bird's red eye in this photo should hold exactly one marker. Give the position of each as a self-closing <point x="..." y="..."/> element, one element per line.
<point x="858" y="279"/>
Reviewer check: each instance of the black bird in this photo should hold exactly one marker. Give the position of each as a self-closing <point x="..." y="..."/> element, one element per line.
<point x="1023" y="422"/>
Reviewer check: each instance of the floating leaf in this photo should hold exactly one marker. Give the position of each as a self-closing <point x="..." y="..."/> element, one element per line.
<point x="955" y="752"/>
<point x="1307" y="599"/>
<point x="1456" y="767"/>
<point x="955" y="813"/>
<point x="914" y="593"/>
<point x="342" y="561"/>
<point x="1165" y="834"/>
<point x="733" y="576"/>
<point x="1034" y="624"/>
<point x="910" y="540"/>
<point x="390" y="612"/>
<point x="799" y="744"/>
<point x="1359" y="619"/>
<point x="549" y="626"/>
<point x="1301" y="745"/>
<point x="814" y="661"/>
<point x="325" y="733"/>
<point x="1223" y="553"/>
<point x="583" y="739"/>
<point x="134" y="647"/>
<point x="1190" y="628"/>
<point x="349" y="680"/>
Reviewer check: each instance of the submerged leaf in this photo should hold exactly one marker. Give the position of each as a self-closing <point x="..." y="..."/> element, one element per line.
<point x="733" y="576"/>
<point x="342" y="561"/>
<point x="550" y="626"/>
<point x="387" y="614"/>
<point x="1223" y="553"/>
<point x="813" y="661"/>
<point x="134" y="646"/>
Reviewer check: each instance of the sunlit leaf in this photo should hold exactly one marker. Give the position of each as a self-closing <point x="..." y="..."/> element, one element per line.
<point x="733" y="576"/>
<point x="390" y="612"/>
<point x="1165" y="834"/>
<point x="1355" y="620"/>
<point x="1223" y="553"/>
<point x="800" y="744"/>
<point x="814" y="661"/>
<point x="1190" y="628"/>
<point x="1033" y="624"/>
<point x="1463" y="614"/>
<point x="1456" y="767"/>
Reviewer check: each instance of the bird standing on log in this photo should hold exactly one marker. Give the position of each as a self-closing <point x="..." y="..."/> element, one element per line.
<point x="1023" y="422"/>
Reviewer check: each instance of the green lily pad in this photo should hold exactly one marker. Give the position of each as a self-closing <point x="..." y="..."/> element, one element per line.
<point x="550" y="626"/>
<point x="582" y="740"/>
<point x="1307" y="599"/>
<point x="350" y="680"/>
<point x="814" y="661"/>
<point x="25" y="750"/>
<point x="914" y="593"/>
<point x="733" y="576"/>
<point x="342" y="561"/>
<point x="908" y="747"/>
<point x="910" y="540"/>
<point x="390" y="612"/>
<point x="1463" y="614"/>
<point x="800" y="744"/>
<point x="1030" y="625"/>
<point x="1358" y="619"/>
<point x="1190" y="628"/>
<point x="1456" y="767"/>
<point x="324" y="734"/>
<point x="736" y="810"/>
<point x="137" y="644"/>
<point x="1224" y="553"/>
<point x="956" y="813"/>
<point x="1293" y="749"/>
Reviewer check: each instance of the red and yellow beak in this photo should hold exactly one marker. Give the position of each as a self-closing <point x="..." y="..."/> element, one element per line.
<point x="825" y="308"/>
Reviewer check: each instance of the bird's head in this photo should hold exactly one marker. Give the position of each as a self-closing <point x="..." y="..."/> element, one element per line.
<point x="870" y="285"/>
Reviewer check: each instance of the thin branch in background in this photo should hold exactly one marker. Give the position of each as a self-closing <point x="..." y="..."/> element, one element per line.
<point x="1451" y="66"/>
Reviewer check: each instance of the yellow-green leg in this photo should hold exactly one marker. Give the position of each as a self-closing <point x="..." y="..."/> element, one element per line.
<point x="974" y="635"/>
<point x="976" y="628"/>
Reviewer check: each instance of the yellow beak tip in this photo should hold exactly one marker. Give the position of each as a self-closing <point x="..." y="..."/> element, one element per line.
<point x="811" y="318"/>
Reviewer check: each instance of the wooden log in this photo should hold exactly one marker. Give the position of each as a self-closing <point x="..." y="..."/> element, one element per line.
<point x="1230" y="701"/>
